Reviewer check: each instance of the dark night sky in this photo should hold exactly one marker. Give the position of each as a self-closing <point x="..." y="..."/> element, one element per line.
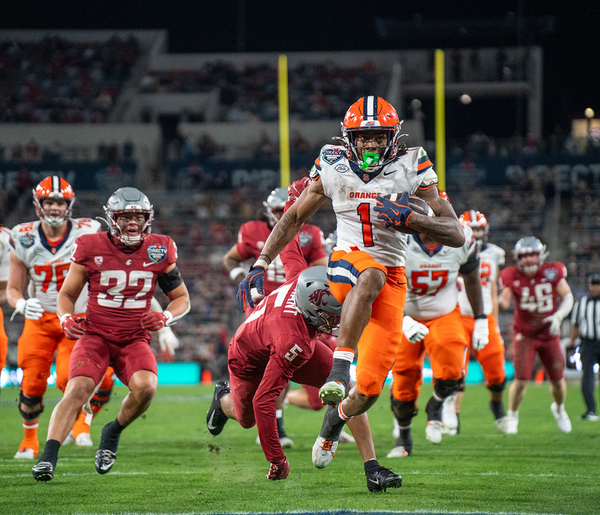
<point x="571" y="60"/>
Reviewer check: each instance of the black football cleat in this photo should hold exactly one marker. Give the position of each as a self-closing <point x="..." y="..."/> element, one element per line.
<point x="215" y="416"/>
<point x="105" y="459"/>
<point x="43" y="471"/>
<point x="380" y="479"/>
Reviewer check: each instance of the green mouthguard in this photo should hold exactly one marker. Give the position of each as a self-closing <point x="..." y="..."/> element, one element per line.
<point x="369" y="158"/>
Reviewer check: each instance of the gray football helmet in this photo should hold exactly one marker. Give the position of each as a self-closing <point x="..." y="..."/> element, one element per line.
<point x="274" y="205"/>
<point x="129" y="200"/>
<point x="527" y="246"/>
<point x="315" y="301"/>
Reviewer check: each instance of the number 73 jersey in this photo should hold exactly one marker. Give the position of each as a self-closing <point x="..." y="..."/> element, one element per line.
<point x="48" y="264"/>
<point x="121" y="283"/>
<point x="535" y="297"/>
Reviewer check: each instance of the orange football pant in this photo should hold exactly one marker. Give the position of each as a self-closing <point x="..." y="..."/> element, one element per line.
<point x="380" y="340"/>
<point x="491" y="357"/>
<point x="446" y="345"/>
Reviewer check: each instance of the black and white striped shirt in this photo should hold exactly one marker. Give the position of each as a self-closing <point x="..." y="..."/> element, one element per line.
<point x="586" y="315"/>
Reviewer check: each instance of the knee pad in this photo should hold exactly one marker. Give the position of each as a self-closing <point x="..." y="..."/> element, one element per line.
<point x="30" y="402"/>
<point x="498" y="387"/>
<point x="446" y="387"/>
<point x="404" y="410"/>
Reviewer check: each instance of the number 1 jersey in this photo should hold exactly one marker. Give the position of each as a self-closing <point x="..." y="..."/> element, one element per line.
<point x="121" y="285"/>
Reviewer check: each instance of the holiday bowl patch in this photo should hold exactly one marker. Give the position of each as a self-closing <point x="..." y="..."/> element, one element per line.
<point x="331" y="155"/>
<point x="27" y="240"/>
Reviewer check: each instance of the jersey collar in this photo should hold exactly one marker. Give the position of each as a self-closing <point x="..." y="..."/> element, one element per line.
<point x="361" y="174"/>
<point x="428" y="250"/>
<point x="54" y="248"/>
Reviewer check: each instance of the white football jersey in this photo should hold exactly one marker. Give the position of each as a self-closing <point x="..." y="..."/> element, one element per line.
<point x="353" y="193"/>
<point x="491" y="258"/>
<point x="4" y="253"/>
<point x="431" y="276"/>
<point x="48" y="265"/>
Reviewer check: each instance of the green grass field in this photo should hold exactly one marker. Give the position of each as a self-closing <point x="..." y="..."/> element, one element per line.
<point x="169" y="463"/>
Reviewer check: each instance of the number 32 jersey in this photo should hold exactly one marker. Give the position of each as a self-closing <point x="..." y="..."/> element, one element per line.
<point x="121" y="285"/>
<point x="353" y="193"/>
<point x="535" y="297"/>
<point x="48" y="263"/>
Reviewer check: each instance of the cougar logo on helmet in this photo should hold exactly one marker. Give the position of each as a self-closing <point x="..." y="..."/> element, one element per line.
<point x="317" y="297"/>
<point x="53" y="187"/>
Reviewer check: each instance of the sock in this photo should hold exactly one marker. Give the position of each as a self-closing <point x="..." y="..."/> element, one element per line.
<point x="458" y="422"/>
<point x="371" y="465"/>
<point x="340" y="371"/>
<point x="280" y="428"/>
<point x="514" y="414"/>
<point x="30" y="431"/>
<point x="497" y="409"/>
<point x="80" y="425"/>
<point x="332" y="424"/>
<point x="50" y="452"/>
<point x="111" y="433"/>
<point x="434" y="408"/>
<point x="405" y="438"/>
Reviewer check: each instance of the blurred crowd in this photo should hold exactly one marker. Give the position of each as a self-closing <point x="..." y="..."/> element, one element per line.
<point x="59" y="81"/>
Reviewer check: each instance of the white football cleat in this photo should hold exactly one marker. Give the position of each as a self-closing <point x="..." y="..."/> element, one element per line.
<point x="323" y="452"/>
<point x="346" y="437"/>
<point x="449" y="418"/>
<point x="398" y="452"/>
<point x="562" y="419"/>
<point x="512" y="425"/>
<point x="433" y="431"/>
<point x="84" y="440"/>
<point x="69" y="439"/>
<point x="25" y="454"/>
<point x="396" y="430"/>
<point x="502" y="424"/>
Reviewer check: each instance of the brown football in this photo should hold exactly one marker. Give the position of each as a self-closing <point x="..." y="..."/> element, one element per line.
<point x="417" y="204"/>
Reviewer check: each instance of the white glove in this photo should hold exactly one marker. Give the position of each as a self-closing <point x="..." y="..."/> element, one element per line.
<point x="481" y="333"/>
<point x="413" y="330"/>
<point x="555" y="322"/>
<point x="30" y="308"/>
<point x="167" y="340"/>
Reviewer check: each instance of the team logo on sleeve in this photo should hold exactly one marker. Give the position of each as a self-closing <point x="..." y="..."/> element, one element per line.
<point x="551" y="273"/>
<point x="27" y="240"/>
<point x="331" y="155"/>
<point x="157" y="253"/>
<point x="305" y="238"/>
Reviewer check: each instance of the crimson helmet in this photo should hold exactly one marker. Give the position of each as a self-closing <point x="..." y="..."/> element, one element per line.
<point x="527" y="246"/>
<point x="53" y="187"/>
<point x="125" y="201"/>
<point x="371" y="114"/>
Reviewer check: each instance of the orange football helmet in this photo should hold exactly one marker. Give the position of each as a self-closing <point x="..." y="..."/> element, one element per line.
<point x="53" y="187"/>
<point x="371" y="114"/>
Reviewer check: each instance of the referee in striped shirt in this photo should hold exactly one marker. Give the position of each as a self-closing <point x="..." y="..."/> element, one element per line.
<point x="585" y="323"/>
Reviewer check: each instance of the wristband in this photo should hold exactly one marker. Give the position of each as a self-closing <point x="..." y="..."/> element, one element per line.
<point x="235" y="272"/>
<point x="261" y="262"/>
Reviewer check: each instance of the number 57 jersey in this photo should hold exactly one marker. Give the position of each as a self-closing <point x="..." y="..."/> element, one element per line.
<point x="48" y="263"/>
<point x="121" y="284"/>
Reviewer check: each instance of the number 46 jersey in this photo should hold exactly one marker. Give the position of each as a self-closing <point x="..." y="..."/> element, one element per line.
<point x="48" y="263"/>
<point x="535" y="297"/>
<point x="121" y="285"/>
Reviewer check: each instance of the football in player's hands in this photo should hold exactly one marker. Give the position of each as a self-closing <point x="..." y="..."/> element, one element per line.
<point x="417" y="204"/>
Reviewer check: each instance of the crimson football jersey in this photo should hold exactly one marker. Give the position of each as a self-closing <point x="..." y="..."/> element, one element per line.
<point x="121" y="285"/>
<point x="535" y="297"/>
<point x="252" y="237"/>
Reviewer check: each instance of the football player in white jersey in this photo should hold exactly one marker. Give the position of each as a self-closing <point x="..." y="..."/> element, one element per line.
<point x="491" y="358"/>
<point x="432" y="301"/>
<point x="41" y="251"/>
<point x="366" y="269"/>
<point x="4" y="266"/>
